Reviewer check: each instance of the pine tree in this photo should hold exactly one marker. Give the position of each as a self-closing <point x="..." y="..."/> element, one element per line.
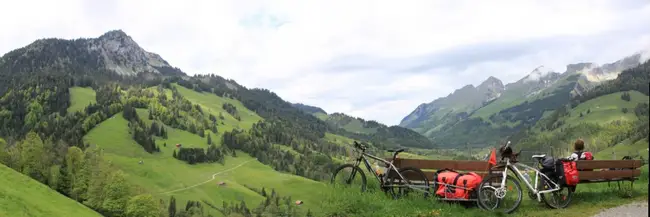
<point x="172" y="205"/>
<point x="209" y="139"/>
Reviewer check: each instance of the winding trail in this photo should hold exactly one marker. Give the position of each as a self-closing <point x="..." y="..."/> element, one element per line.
<point x="209" y="180"/>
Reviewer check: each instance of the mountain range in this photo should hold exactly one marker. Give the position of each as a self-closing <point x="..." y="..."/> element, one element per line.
<point x="492" y="111"/>
<point x="119" y="130"/>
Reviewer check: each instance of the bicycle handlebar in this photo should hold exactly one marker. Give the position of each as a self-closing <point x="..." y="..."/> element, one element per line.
<point x="359" y="146"/>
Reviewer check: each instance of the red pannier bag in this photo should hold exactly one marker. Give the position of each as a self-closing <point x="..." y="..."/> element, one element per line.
<point x="457" y="186"/>
<point x="466" y="184"/>
<point x="571" y="175"/>
<point x="442" y="177"/>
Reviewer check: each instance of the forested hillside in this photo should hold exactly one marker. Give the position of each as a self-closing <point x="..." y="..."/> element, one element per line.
<point x="114" y="126"/>
<point x="368" y="130"/>
<point x="492" y="112"/>
<point x="614" y="114"/>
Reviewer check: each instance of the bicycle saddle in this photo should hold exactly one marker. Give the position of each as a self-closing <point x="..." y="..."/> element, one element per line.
<point x="539" y="156"/>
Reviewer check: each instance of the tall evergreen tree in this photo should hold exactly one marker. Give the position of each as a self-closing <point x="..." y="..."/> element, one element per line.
<point x="172" y="207"/>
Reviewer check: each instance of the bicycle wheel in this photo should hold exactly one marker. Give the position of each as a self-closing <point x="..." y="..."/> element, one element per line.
<point x="493" y="196"/>
<point x="557" y="199"/>
<point x="348" y="175"/>
<point x="412" y="176"/>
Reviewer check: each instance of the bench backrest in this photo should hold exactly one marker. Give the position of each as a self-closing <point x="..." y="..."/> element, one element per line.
<point x="429" y="167"/>
<point x="625" y="169"/>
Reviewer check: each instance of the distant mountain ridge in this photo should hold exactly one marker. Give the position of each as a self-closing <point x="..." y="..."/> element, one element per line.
<point x="113" y="52"/>
<point x="492" y="106"/>
<point x="358" y="128"/>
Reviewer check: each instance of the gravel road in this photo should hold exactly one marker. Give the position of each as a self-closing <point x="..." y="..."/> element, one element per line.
<point x="638" y="209"/>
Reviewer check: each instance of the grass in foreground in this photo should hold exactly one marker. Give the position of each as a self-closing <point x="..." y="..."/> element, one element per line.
<point x="20" y="196"/>
<point x="80" y="97"/>
<point x="588" y="200"/>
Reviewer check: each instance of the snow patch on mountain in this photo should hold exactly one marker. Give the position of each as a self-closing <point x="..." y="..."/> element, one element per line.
<point x="538" y="73"/>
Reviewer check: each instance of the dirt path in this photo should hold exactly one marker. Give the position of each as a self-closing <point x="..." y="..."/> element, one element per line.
<point x="637" y="209"/>
<point x="209" y="180"/>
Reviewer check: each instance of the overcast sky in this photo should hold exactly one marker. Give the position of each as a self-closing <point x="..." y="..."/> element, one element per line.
<point x="369" y="58"/>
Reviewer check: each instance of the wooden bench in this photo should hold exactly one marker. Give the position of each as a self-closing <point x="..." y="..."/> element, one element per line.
<point x="598" y="171"/>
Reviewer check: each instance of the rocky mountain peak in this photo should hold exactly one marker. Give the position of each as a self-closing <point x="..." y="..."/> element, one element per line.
<point x="114" y="51"/>
<point x="124" y="56"/>
<point x="576" y="67"/>
<point x="539" y="74"/>
<point x="115" y="35"/>
<point x="491" y="83"/>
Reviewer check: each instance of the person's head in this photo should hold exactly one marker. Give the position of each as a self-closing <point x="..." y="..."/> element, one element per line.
<point x="579" y="145"/>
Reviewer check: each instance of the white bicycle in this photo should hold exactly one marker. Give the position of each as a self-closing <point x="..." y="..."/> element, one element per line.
<point x="496" y="190"/>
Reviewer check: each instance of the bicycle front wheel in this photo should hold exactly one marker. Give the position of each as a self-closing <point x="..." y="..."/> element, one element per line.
<point x="348" y="175"/>
<point x="493" y="196"/>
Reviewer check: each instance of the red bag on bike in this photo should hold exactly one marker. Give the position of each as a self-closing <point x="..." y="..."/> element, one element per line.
<point x="468" y="182"/>
<point x="442" y="177"/>
<point x="570" y="173"/>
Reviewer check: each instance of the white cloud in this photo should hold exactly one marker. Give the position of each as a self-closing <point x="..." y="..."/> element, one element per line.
<point x="287" y="46"/>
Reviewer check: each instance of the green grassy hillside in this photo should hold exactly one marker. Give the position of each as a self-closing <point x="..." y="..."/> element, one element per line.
<point x="80" y="97"/>
<point x="350" y="124"/>
<point x="21" y="196"/>
<point x="161" y="173"/>
<point x="600" y="121"/>
<point x="214" y="105"/>
<point x="607" y="108"/>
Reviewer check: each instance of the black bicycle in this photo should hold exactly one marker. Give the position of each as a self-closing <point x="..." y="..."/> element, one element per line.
<point x="394" y="182"/>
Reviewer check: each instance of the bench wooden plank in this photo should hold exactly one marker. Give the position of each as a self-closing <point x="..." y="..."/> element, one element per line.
<point x="441" y="164"/>
<point x="606" y="164"/>
<point x="608" y="174"/>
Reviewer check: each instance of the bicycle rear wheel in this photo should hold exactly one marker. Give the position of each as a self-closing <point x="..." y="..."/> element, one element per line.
<point x="348" y="175"/>
<point x="492" y="196"/>
<point x="413" y="177"/>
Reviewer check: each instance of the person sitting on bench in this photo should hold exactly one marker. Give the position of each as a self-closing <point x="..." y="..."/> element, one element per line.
<point x="579" y="153"/>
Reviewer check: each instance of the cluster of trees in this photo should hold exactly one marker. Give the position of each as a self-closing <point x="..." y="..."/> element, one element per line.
<point x="40" y="105"/>
<point x="139" y="130"/>
<point x="259" y="140"/>
<point x="192" y="209"/>
<point x="626" y="96"/>
<point x="273" y="205"/>
<point x="199" y="155"/>
<point x="79" y="174"/>
<point x="180" y="113"/>
<point x="264" y="102"/>
<point x="232" y="110"/>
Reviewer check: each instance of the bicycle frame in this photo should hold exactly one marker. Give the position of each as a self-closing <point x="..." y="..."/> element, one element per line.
<point x="391" y="167"/>
<point x="511" y="166"/>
